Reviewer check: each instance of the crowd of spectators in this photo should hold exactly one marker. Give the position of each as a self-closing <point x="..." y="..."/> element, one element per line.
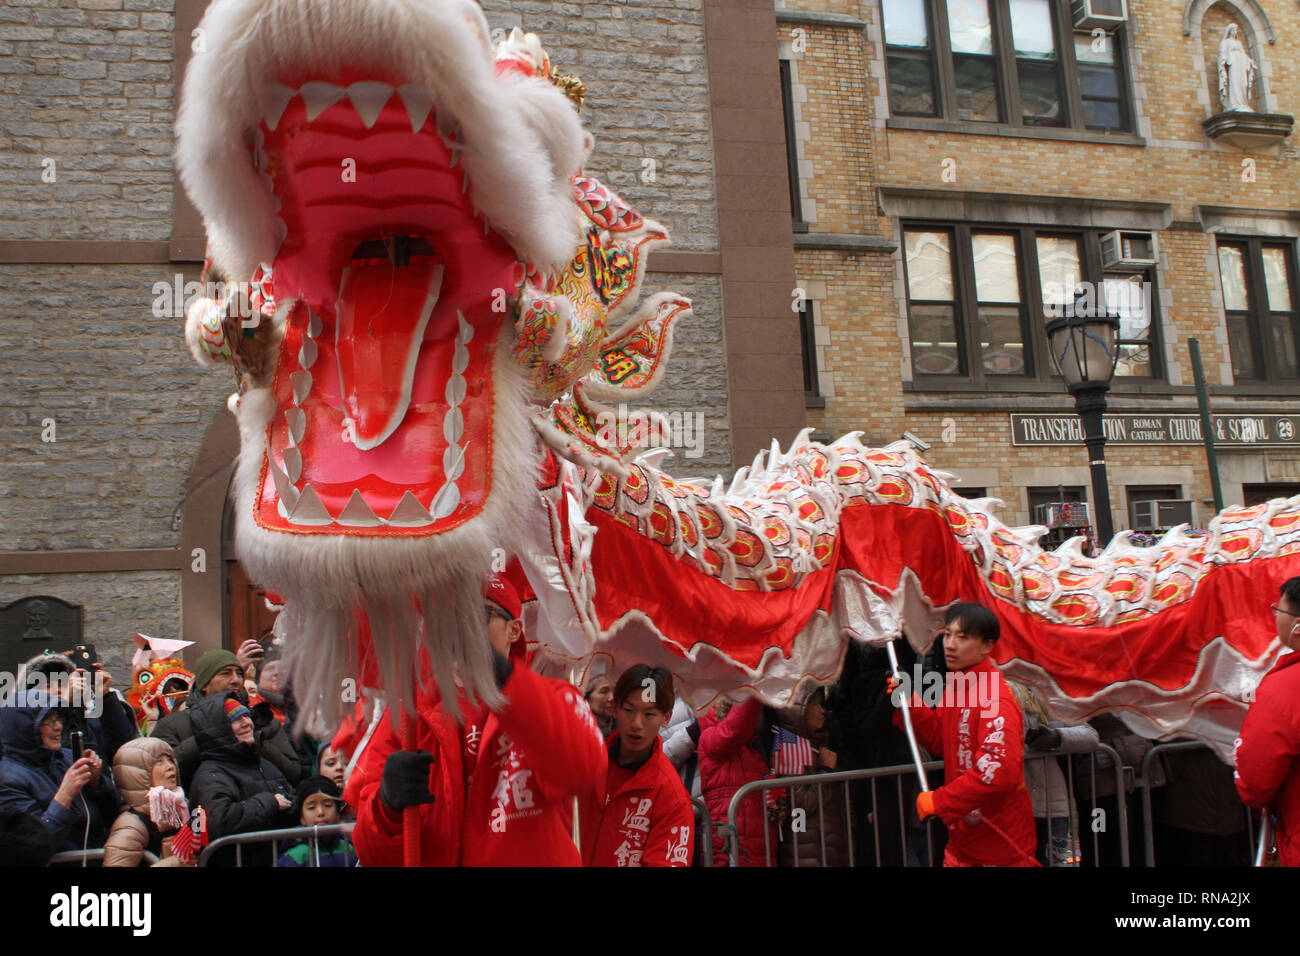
<point x="234" y="760"/>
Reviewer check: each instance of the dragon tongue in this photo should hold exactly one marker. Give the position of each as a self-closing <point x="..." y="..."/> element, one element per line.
<point x="380" y="318"/>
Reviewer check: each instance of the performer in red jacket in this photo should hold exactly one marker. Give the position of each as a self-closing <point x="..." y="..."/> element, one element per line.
<point x="1268" y="750"/>
<point x="497" y="789"/>
<point x="643" y="816"/>
<point x="980" y="730"/>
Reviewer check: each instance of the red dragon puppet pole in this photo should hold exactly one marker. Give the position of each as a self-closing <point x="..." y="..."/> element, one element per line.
<point x="410" y="815"/>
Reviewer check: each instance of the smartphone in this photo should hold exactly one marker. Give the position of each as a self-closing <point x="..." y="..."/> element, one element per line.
<point x="84" y="656"/>
<point x="77" y="745"/>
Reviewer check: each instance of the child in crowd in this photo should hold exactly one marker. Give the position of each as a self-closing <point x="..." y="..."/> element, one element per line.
<point x="317" y="805"/>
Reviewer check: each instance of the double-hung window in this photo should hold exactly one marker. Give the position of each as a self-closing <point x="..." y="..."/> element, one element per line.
<point x="980" y="298"/>
<point x="1014" y="62"/>
<point x="1258" y="278"/>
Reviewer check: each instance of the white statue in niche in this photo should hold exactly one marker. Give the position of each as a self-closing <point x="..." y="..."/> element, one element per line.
<point x="1236" y="73"/>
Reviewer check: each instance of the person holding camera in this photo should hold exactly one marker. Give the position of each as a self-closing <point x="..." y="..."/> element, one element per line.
<point x="65" y="788"/>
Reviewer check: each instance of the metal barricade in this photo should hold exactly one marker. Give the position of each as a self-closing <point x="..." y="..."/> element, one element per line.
<point x="312" y="834"/>
<point x="892" y="779"/>
<point x="1148" y="817"/>
<point x="704" y="829"/>
<point x="82" y="857"/>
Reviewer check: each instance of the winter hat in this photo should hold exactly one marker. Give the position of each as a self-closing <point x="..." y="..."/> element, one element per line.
<point x="501" y="592"/>
<point x="210" y="663"/>
<point x="314" y="785"/>
<point x="236" y="710"/>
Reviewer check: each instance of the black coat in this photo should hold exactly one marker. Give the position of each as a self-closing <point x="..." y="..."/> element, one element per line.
<point x="235" y="784"/>
<point x="177" y="729"/>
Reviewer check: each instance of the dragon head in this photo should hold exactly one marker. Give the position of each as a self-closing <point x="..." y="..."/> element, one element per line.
<point x="420" y="281"/>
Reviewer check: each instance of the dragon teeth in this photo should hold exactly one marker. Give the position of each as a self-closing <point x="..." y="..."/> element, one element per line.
<point x="278" y="97"/>
<point x="301" y="384"/>
<point x="307" y="354"/>
<point x="296" y="419"/>
<point x="318" y="97"/>
<point x="368" y="99"/>
<point x="314" y="324"/>
<point x="310" y="509"/>
<point x="292" y="463"/>
<point x="418" y="105"/>
<point x="356" y="513"/>
<point x="446" y="500"/>
<point x="410" y="513"/>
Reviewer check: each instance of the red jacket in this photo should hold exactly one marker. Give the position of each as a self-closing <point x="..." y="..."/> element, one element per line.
<point x="1268" y="771"/>
<point x="504" y="783"/>
<point x="979" y="729"/>
<point x="648" y="821"/>
<point x="727" y="762"/>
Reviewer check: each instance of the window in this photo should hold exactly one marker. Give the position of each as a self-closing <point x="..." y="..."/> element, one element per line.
<point x="1017" y="62"/>
<point x="1258" y="279"/>
<point x="791" y="147"/>
<point x="970" y="316"/>
<point x="808" y="341"/>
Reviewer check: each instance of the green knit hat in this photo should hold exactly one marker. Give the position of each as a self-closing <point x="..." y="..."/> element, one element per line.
<point x="209" y="664"/>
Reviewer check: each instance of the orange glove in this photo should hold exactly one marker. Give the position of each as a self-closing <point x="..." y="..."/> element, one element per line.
<point x="925" y="804"/>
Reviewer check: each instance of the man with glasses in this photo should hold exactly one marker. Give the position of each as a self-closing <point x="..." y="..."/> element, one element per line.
<point x="1268" y="750"/>
<point x="496" y="789"/>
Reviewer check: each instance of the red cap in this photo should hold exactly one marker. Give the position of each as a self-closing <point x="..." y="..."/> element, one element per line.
<point x="501" y="592"/>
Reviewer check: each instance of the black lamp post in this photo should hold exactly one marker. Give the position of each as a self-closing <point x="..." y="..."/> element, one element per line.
<point x="1085" y="348"/>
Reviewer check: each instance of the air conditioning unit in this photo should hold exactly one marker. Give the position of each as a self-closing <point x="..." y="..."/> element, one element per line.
<point x="1062" y="514"/>
<point x="1128" y="250"/>
<point x="1107" y="14"/>
<point x="1149" y="515"/>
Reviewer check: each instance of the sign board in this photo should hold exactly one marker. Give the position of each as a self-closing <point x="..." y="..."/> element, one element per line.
<point x="1230" y="431"/>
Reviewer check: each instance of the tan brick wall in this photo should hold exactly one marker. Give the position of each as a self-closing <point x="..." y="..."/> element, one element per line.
<point x="1174" y="82"/>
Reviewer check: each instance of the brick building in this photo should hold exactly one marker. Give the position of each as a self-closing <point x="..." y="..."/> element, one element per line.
<point x="961" y="165"/>
<point x="115" y="447"/>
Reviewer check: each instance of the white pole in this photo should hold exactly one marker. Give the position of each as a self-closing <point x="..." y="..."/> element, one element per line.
<point x="907" y="719"/>
<point x="1265" y="836"/>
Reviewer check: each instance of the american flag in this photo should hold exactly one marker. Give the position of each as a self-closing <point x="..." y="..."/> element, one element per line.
<point x="193" y="836"/>
<point x="791" y="754"/>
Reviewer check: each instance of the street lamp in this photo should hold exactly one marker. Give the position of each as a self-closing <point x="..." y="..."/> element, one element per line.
<point x="1085" y="347"/>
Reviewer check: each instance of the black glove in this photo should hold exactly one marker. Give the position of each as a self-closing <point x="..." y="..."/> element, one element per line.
<point x="405" y="782"/>
<point x="501" y="668"/>
<point x="1043" y="738"/>
<point x="693" y="731"/>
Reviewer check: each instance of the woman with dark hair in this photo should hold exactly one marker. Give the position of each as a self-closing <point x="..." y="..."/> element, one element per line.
<point x="643" y="816"/>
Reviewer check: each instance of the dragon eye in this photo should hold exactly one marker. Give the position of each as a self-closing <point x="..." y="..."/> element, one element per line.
<point x="144" y="678"/>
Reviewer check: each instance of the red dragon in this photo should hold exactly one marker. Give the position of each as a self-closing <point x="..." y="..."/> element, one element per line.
<point x="434" y="313"/>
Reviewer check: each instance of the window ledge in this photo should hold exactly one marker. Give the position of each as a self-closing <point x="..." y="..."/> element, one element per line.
<point x="845" y="242"/>
<point x="1035" y="387"/>
<point x="1066" y="134"/>
<point x="1265" y="390"/>
<point x="820" y="19"/>
<point x="813" y="401"/>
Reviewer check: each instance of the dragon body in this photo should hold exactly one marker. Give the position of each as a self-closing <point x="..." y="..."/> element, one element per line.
<point x="436" y="310"/>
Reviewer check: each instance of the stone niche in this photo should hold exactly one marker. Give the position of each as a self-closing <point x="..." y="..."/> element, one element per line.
<point x="1242" y="109"/>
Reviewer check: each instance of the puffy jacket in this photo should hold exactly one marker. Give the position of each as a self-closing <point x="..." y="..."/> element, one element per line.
<point x="1049" y="793"/>
<point x="648" y="821"/>
<point x="1268" y="771"/>
<point x="728" y="761"/>
<point x="30" y="774"/>
<point x="983" y="757"/>
<point x="272" y="740"/>
<point x="504" y="783"/>
<point x="133" y="831"/>
<point x="680" y="738"/>
<point x="235" y="784"/>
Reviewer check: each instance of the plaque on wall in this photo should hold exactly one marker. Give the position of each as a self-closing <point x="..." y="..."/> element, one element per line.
<point x="35" y="624"/>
